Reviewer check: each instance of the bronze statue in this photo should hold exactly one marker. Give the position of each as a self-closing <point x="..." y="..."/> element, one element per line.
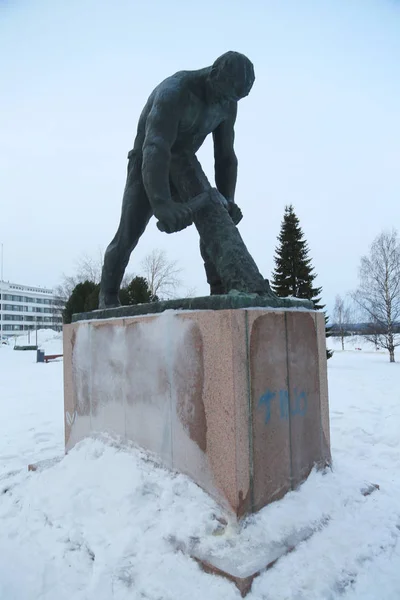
<point x="166" y="180"/>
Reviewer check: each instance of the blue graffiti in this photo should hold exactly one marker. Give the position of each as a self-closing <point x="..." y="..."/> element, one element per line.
<point x="297" y="406"/>
<point x="284" y="404"/>
<point x="266" y="399"/>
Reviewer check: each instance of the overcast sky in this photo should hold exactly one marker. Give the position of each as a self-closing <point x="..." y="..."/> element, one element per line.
<point x="320" y="128"/>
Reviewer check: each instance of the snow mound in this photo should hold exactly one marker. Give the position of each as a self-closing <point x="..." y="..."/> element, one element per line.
<point x="106" y="522"/>
<point x="101" y="523"/>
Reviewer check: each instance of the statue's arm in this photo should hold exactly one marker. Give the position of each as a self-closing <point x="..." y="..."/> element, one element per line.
<point x="160" y="134"/>
<point x="225" y="157"/>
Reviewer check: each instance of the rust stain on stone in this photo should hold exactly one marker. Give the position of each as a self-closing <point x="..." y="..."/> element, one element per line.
<point x="73" y="338"/>
<point x="244" y="503"/>
<point x="189" y="378"/>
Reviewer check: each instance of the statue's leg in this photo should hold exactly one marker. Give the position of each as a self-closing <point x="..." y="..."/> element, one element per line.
<point x="222" y="241"/>
<point x="187" y="180"/>
<point x="213" y="278"/>
<point x="183" y="195"/>
<point x="135" y="215"/>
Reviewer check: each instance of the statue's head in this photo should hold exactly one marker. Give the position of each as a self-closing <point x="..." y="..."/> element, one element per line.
<point x="232" y="76"/>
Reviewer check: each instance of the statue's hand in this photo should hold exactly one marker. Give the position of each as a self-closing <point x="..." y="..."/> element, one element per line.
<point x="235" y="212"/>
<point x="173" y="217"/>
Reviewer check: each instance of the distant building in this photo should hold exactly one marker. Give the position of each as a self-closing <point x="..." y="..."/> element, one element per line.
<point x="24" y="307"/>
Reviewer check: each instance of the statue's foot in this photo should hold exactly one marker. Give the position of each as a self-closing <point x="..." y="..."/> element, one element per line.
<point x="264" y="291"/>
<point x="217" y="289"/>
<point x="269" y="291"/>
<point x="108" y="300"/>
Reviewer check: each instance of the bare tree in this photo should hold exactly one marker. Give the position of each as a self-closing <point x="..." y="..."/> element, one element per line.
<point x="87" y="269"/>
<point x="190" y="292"/>
<point x="63" y="290"/>
<point x="378" y="294"/>
<point x="342" y="317"/>
<point x="163" y="275"/>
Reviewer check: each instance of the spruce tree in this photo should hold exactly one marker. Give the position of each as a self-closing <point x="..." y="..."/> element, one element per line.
<point x="84" y="297"/>
<point x="137" y="292"/>
<point x="294" y="274"/>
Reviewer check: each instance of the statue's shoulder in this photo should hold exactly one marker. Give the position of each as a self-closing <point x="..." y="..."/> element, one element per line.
<point x="176" y="86"/>
<point x="172" y="85"/>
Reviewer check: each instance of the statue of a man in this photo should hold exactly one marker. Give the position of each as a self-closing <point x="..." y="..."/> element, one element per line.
<point x="163" y="171"/>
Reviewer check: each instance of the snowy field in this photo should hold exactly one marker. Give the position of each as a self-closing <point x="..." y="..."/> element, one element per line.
<point x="98" y="524"/>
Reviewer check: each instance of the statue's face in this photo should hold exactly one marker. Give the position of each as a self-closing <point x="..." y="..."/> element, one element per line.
<point x="227" y="89"/>
<point x="231" y="79"/>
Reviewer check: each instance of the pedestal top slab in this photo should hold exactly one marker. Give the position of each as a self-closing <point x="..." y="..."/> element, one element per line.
<point x="229" y="301"/>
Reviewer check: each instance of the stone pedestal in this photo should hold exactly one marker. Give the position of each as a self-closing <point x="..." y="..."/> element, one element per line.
<point x="236" y="399"/>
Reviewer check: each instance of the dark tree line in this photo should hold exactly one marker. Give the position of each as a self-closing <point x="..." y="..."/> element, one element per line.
<point x="85" y="296"/>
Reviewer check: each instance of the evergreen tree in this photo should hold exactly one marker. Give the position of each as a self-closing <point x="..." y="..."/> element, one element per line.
<point x="92" y="301"/>
<point x="137" y="292"/>
<point x="294" y="274"/>
<point x="85" y="296"/>
<point x="82" y="299"/>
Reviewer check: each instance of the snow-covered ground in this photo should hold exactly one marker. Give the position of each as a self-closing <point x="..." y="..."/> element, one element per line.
<point x="99" y="523"/>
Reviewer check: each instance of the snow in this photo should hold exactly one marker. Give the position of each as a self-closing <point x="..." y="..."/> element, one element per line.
<point x="104" y="521"/>
<point x="31" y="403"/>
